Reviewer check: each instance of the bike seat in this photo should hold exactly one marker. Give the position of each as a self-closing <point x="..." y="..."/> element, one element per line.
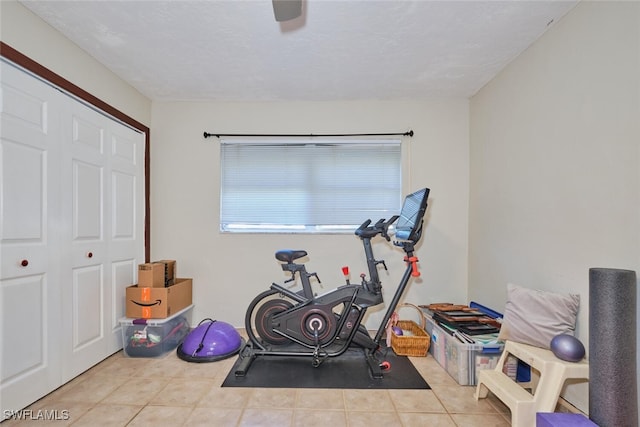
<point x="288" y="255"/>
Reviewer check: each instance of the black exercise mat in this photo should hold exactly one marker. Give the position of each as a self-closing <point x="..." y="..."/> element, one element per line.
<point x="348" y="371"/>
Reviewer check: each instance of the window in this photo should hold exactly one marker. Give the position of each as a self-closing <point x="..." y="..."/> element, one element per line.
<point x="307" y="185"/>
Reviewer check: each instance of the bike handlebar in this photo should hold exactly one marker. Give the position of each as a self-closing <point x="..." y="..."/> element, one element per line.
<point x="380" y="227"/>
<point x="363" y="226"/>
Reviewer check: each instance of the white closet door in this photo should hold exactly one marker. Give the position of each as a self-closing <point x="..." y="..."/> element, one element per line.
<point x="85" y="189"/>
<point x="71" y="235"/>
<point x="30" y="301"/>
<point x="126" y="235"/>
<point x="105" y="209"/>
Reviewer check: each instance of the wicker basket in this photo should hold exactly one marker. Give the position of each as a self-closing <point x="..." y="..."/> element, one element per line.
<point x="417" y="344"/>
<point x="423" y="319"/>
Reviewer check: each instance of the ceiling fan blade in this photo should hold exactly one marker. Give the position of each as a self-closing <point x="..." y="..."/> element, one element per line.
<point x="285" y="10"/>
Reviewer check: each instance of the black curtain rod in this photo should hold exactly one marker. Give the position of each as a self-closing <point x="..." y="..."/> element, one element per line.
<point x="289" y="135"/>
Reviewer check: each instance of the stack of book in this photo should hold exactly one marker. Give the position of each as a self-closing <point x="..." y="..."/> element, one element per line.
<point x="464" y="323"/>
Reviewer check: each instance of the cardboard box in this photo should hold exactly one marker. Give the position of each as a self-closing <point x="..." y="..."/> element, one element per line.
<point x="158" y="303"/>
<point x="157" y="274"/>
<point x="151" y="275"/>
<point x="154" y="337"/>
<point x="169" y="271"/>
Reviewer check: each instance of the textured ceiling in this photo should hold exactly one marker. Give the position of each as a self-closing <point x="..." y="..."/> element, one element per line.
<point x="337" y="50"/>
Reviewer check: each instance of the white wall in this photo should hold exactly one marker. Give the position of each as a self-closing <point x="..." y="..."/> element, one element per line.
<point x="555" y="142"/>
<point x="229" y="270"/>
<point x="31" y="36"/>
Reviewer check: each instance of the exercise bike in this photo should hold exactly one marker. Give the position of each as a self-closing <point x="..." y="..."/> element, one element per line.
<point x="286" y="323"/>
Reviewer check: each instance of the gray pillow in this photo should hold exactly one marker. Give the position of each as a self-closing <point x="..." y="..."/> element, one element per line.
<point x="534" y="317"/>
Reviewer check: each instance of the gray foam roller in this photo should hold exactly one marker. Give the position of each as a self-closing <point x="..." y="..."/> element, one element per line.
<point x="612" y="347"/>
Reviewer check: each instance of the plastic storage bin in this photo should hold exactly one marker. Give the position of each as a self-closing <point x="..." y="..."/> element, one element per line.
<point x="461" y="361"/>
<point x="154" y="337"/>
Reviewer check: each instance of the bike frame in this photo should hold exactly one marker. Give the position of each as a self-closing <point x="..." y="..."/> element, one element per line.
<point x="355" y="298"/>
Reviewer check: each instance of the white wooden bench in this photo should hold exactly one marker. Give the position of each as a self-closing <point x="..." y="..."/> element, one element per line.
<point x="548" y="375"/>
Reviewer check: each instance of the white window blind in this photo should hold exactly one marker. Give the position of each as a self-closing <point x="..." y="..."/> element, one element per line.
<point x="308" y="185"/>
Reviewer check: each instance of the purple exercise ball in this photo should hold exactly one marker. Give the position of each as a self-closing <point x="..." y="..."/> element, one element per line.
<point x="212" y="339"/>
<point x="567" y="347"/>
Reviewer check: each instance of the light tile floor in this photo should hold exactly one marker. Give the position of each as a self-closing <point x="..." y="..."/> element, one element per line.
<point x="167" y="391"/>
